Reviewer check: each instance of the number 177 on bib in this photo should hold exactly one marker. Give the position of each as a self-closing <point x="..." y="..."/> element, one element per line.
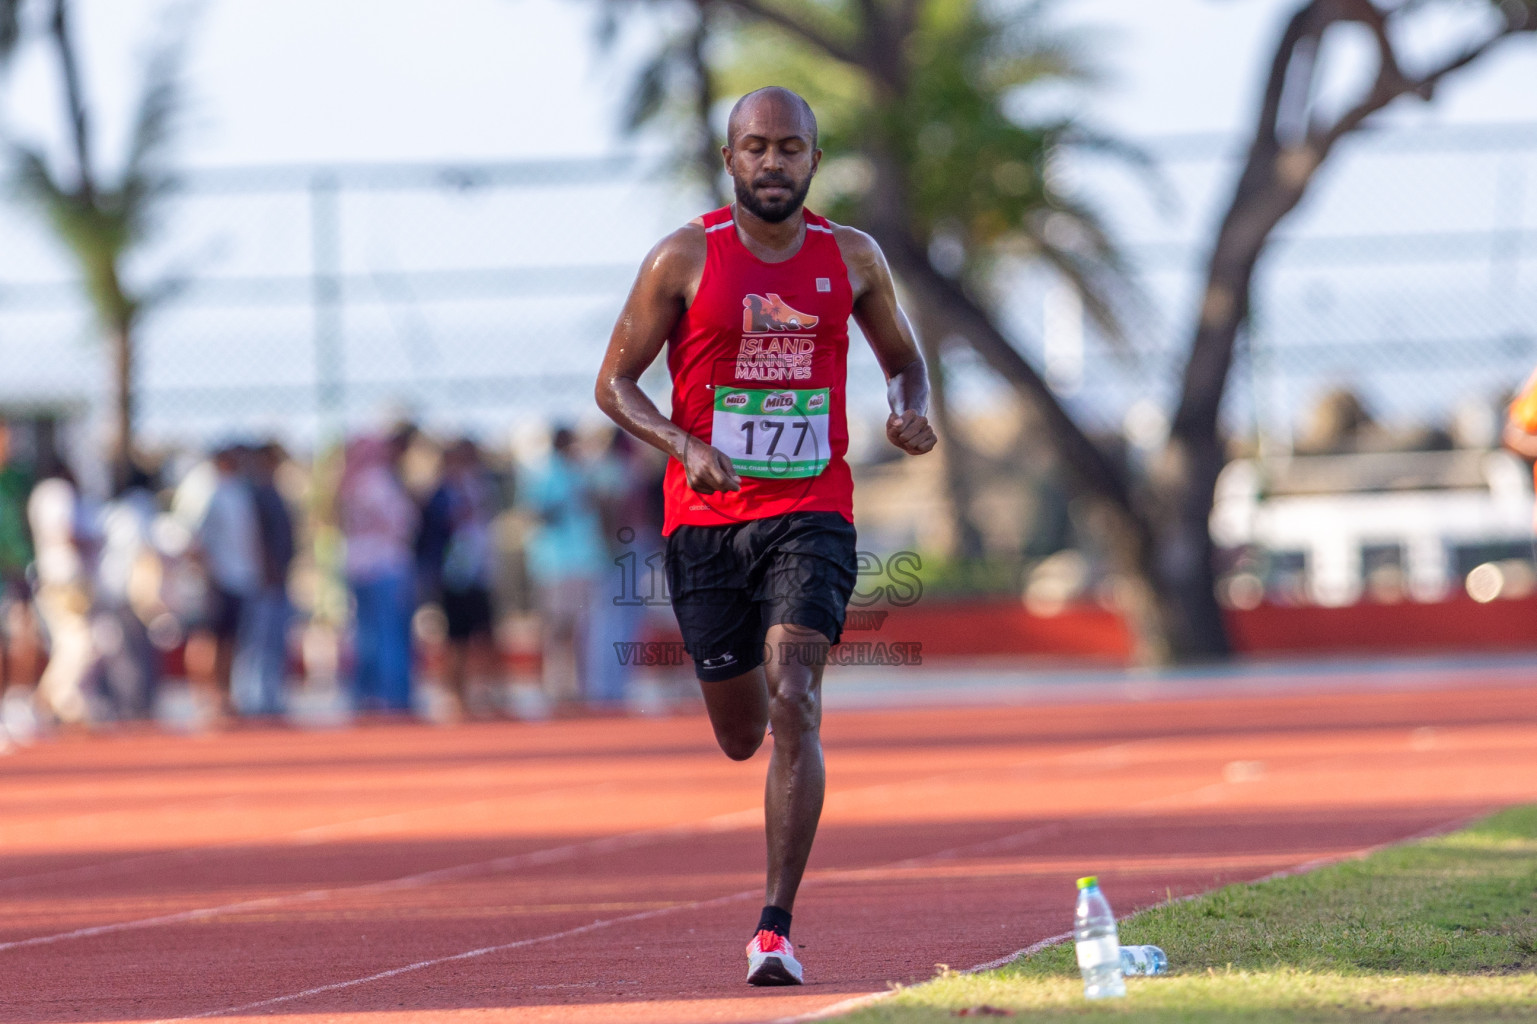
<point x="776" y="434"/>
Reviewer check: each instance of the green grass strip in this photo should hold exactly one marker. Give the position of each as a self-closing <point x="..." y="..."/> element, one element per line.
<point x="1440" y="930"/>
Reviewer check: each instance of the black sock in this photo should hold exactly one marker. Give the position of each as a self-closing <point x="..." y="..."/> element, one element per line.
<point x="774" y="920"/>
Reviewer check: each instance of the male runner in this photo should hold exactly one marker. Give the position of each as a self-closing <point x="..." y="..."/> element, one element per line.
<point x="753" y="301"/>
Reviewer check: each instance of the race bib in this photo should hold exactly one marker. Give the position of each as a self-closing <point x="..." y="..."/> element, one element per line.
<point x="777" y="434"/>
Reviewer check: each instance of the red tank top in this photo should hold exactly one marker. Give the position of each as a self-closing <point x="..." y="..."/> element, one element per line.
<point x="779" y="331"/>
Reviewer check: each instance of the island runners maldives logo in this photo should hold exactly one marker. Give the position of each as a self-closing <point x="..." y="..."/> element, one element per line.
<point x="771" y="349"/>
<point x="769" y="314"/>
<point x="777" y="348"/>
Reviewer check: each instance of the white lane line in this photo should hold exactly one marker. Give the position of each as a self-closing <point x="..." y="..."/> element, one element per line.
<point x="466" y="955"/>
<point x="1030" y="950"/>
<point x="849" y="1005"/>
<point x="1441" y="829"/>
<point x="317" y="833"/>
<point x="823" y="877"/>
<point x="1004" y="842"/>
<point x="535" y="858"/>
<point x="1111" y="755"/>
<point x="859" y="1002"/>
<point x="1444" y="828"/>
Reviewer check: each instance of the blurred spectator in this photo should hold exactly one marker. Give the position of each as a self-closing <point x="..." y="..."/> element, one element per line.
<point x="63" y="596"/>
<point x="1340" y="424"/>
<point x="18" y="632"/>
<point x="228" y="543"/>
<point x="623" y="482"/>
<point x="456" y="560"/>
<point x="1337" y="423"/>
<point x="128" y="578"/>
<point x="565" y="559"/>
<point x="379" y="521"/>
<point x="261" y="666"/>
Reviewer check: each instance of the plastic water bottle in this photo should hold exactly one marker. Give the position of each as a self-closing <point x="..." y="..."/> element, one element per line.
<point x="1094" y="934"/>
<point x="1142" y="960"/>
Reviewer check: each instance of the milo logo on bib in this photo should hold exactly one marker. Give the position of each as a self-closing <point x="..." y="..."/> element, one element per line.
<point x="773" y="434"/>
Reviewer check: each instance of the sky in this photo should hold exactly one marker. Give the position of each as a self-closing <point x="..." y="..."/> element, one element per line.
<point x="318" y="82"/>
<point x="314" y="81"/>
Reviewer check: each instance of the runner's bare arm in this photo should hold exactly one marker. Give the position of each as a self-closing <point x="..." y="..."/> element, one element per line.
<point x="890" y="335"/>
<point x="662" y="291"/>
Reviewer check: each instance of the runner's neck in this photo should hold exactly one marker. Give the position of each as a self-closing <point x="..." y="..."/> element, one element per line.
<point x="771" y="243"/>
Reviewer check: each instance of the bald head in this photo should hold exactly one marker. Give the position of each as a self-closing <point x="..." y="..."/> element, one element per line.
<point x="771" y="103"/>
<point x="771" y="153"/>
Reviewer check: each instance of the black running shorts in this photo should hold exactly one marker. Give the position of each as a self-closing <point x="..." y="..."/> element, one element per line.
<point x="729" y="584"/>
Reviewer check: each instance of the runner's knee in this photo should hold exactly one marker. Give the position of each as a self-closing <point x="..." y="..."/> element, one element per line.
<point x="795" y="706"/>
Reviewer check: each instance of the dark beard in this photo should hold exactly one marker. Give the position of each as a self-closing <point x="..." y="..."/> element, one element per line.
<point x="777" y="211"/>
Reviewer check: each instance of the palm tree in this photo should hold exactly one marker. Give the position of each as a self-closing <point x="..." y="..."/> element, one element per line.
<point x="916" y="89"/>
<point x="951" y="170"/>
<point x="98" y="222"/>
<point x="914" y="100"/>
<point x="673" y="83"/>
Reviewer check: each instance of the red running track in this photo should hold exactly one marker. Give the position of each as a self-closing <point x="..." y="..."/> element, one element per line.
<point x="610" y="870"/>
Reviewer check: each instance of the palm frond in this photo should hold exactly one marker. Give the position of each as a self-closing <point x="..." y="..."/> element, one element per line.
<point x="31" y="176"/>
<point x="1149" y="170"/>
<point x="93" y="231"/>
<point x="650" y="89"/>
<point x="1073" y="240"/>
<point x="1081" y="137"/>
<point x="146" y="174"/>
<point x="1102" y="292"/>
<point x="975" y="174"/>
<point x="649" y="93"/>
<point x="1027" y="41"/>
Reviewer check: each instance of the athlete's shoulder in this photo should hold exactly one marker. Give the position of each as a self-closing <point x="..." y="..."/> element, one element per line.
<point x="863" y="257"/>
<point x="679" y="256"/>
<point x="854" y="244"/>
<point x="685" y="241"/>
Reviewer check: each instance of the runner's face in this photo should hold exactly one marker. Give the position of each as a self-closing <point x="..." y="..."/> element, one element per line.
<point x="772" y="161"/>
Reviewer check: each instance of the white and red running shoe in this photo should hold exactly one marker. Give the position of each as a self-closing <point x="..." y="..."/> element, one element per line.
<point x="771" y="960"/>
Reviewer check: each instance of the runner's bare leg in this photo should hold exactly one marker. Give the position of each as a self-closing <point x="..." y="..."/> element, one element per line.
<point x="792" y="799"/>
<point x="788" y="692"/>
<point x="739" y="712"/>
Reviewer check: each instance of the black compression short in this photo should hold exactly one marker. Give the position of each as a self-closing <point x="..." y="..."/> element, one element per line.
<point x="729" y="584"/>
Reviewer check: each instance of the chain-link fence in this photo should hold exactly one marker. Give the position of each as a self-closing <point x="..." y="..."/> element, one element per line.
<point x="304" y="300"/>
<point x="301" y="302"/>
<point x="1406" y="278"/>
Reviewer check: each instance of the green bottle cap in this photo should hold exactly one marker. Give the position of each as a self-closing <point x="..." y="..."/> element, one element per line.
<point x="1088" y="882"/>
